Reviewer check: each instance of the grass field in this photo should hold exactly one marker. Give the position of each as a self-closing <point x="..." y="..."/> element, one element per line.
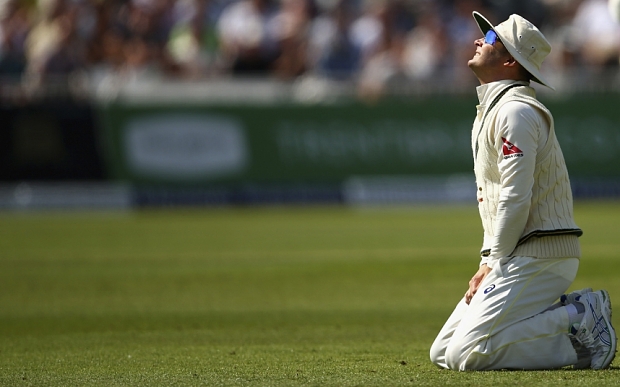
<point x="311" y="296"/>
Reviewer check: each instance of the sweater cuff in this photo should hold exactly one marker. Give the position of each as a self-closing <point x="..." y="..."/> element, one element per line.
<point x="485" y="257"/>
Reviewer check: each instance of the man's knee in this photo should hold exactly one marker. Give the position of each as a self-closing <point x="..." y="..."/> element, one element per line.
<point x="458" y="357"/>
<point x="438" y="351"/>
<point x="454" y="357"/>
<point x="449" y="354"/>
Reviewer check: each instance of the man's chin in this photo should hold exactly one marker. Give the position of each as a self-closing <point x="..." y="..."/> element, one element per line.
<point x="473" y="60"/>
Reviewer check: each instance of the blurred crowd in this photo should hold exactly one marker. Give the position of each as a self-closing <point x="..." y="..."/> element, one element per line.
<point x="374" y="42"/>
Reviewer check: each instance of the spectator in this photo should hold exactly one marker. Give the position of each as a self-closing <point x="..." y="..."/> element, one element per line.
<point x="193" y="44"/>
<point x="334" y="53"/>
<point x="381" y="33"/>
<point x="292" y="25"/>
<point x="146" y="25"/>
<point x="426" y="46"/>
<point x="599" y="34"/>
<point x="70" y="53"/>
<point x="247" y="37"/>
<point x="50" y="33"/>
<point x="14" y="29"/>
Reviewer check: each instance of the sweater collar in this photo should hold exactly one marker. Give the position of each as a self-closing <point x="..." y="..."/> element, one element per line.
<point x="487" y="92"/>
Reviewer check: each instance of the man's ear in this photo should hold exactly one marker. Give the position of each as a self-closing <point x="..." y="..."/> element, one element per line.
<point x="511" y="61"/>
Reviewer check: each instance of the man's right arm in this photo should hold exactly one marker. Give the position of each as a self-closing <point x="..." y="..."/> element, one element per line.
<point x="475" y="281"/>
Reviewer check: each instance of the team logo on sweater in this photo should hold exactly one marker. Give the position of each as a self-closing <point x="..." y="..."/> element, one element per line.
<point x="510" y="150"/>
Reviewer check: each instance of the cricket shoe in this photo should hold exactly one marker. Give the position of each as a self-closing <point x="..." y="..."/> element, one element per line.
<point x="595" y="331"/>
<point x="570" y="298"/>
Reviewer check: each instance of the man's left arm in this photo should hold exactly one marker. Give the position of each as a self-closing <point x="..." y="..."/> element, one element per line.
<point x="516" y="140"/>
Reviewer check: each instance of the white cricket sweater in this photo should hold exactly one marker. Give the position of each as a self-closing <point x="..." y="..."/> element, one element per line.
<point x="523" y="189"/>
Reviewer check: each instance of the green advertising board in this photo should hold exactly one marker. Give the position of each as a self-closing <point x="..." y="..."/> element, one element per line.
<point x="216" y="144"/>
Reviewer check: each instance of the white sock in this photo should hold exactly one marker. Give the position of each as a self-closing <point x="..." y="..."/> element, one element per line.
<point x="574" y="317"/>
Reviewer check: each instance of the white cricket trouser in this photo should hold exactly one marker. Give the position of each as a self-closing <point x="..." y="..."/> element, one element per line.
<point x="507" y="324"/>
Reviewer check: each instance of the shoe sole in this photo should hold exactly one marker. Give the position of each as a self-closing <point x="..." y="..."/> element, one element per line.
<point x="612" y="332"/>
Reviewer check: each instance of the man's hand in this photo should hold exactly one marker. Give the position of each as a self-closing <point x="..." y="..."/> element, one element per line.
<point x="475" y="281"/>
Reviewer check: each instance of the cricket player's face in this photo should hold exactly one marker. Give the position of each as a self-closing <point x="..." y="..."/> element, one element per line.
<point x="488" y="58"/>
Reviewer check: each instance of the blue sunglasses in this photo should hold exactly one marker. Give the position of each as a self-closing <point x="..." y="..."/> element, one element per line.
<point x="490" y="37"/>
